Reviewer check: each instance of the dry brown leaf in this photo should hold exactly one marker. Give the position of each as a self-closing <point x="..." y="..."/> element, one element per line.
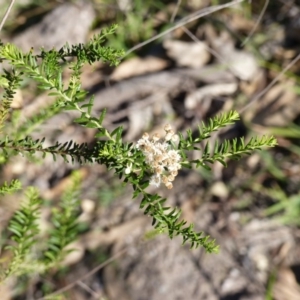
<point x="209" y="91"/>
<point x="219" y="189"/>
<point x="18" y="100"/>
<point x="75" y="255"/>
<point x="120" y="233"/>
<point x="286" y="286"/>
<point x="6" y="289"/>
<point x="239" y="22"/>
<point x="125" y="5"/>
<point x="212" y="73"/>
<point x="55" y="29"/>
<point x="138" y="120"/>
<point x="233" y="283"/>
<point x="193" y="55"/>
<point x="259" y="81"/>
<point x="279" y="107"/>
<point x="242" y="63"/>
<point x="138" y="66"/>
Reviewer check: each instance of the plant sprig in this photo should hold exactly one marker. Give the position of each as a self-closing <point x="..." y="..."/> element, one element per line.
<point x="11" y="187"/>
<point x="128" y="160"/>
<point x="46" y="69"/>
<point x="65" y="224"/>
<point x="24" y="228"/>
<point x="118" y="155"/>
<point x="233" y="149"/>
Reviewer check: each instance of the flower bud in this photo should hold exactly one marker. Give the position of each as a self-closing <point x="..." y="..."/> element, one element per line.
<point x="155" y="137"/>
<point x="168" y="127"/>
<point x="146" y="136"/>
<point x="168" y="136"/>
<point x="169" y="185"/>
<point x="175" y="138"/>
<point x="128" y="169"/>
<point x="171" y="177"/>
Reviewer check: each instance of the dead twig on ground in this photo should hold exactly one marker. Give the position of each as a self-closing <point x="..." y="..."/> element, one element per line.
<point x="175" y="11"/>
<point x="199" y="14"/>
<point x="256" y="24"/>
<point x="271" y="84"/>
<point x="6" y="14"/>
<point x="79" y="281"/>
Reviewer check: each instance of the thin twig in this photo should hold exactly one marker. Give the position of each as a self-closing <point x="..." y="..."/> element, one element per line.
<point x="175" y="11"/>
<point x="209" y="49"/>
<point x="217" y="55"/>
<point x="88" y="289"/>
<point x="6" y="14"/>
<point x="95" y="270"/>
<point x="257" y="23"/>
<point x="199" y="14"/>
<point x="271" y="84"/>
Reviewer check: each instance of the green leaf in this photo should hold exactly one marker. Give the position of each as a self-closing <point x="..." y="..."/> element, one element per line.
<point x="102" y="116"/>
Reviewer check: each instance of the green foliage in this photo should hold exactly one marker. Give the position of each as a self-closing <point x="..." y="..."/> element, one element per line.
<point x="228" y="149"/>
<point x="65" y="226"/>
<point x="137" y="24"/>
<point x="128" y="161"/>
<point x="168" y="219"/>
<point x="24" y="228"/>
<point x="233" y="149"/>
<point x="10" y="81"/>
<point x="205" y="131"/>
<point x="286" y="209"/>
<point x="9" y="188"/>
<point x="117" y="155"/>
<point x="46" y="69"/>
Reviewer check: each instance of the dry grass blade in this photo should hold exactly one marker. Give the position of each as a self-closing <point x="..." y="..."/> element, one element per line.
<point x="276" y="79"/>
<point x="209" y="49"/>
<point x="175" y="11"/>
<point x="6" y="13"/>
<point x="79" y="281"/>
<point x="256" y="24"/>
<point x="199" y="14"/>
<point x="271" y="84"/>
<point x="88" y="289"/>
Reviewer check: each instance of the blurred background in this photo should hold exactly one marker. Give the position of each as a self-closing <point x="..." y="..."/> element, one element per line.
<point x="191" y="73"/>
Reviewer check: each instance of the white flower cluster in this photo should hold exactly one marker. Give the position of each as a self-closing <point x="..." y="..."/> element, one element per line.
<point x="163" y="161"/>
